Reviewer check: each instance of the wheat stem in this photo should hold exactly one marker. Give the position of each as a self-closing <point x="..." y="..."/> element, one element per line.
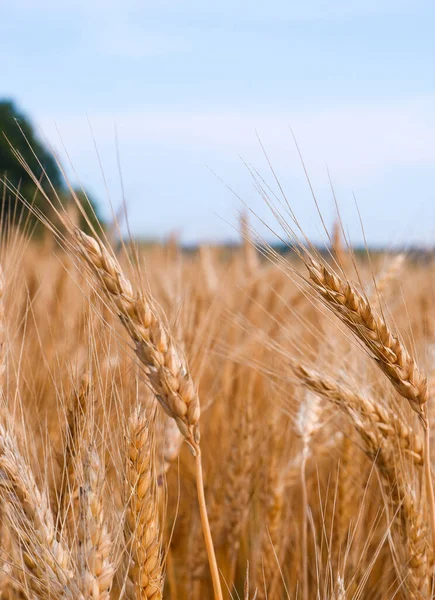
<point x="428" y="480"/>
<point x="214" y="571"/>
<point x="305" y="595"/>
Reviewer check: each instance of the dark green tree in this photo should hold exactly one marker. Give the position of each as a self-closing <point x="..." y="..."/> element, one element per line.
<point x="16" y="131"/>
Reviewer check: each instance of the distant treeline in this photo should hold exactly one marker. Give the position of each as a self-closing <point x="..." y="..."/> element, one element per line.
<point x="20" y="146"/>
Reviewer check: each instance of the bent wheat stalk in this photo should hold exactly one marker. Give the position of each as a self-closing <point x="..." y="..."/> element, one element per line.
<point x="165" y="366"/>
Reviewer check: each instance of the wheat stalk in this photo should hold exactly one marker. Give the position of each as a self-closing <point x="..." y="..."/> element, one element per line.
<point x="306" y="425"/>
<point x="77" y="433"/>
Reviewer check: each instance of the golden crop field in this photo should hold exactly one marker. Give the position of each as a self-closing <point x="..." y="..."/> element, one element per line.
<point x="214" y="424"/>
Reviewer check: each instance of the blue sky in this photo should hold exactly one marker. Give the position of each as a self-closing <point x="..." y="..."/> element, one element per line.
<point x="188" y="85"/>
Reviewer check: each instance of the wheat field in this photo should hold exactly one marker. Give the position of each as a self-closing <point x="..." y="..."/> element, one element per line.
<point x="214" y="424"/>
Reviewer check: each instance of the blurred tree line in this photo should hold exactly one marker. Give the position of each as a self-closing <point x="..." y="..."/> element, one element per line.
<point x="17" y="131"/>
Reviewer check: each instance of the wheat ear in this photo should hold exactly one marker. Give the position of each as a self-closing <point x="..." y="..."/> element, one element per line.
<point x="8" y="585"/>
<point x="338" y="249"/>
<point x="387" y="423"/>
<point x="379" y="446"/>
<point x="384" y="346"/>
<point x="172" y="442"/>
<point x="94" y="541"/>
<point x="45" y="557"/>
<point x="238" y="490"/>
<point x="165" y="365"/>
<point x="142" y="530"/>
<point x="387" y="277"/>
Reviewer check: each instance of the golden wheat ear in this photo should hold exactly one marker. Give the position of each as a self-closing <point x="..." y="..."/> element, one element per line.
<point x="49" y="571"/>
<point x="142" y="531"/>
<point x="384" y="436"/>
<point x="384" y="346"/>
<point x="165" y="366"/>
<point x="95" y="543"/>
